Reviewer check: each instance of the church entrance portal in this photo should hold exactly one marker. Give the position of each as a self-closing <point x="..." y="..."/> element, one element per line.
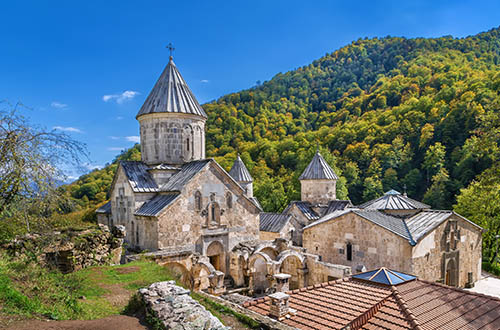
<point x="215" y="252"/>
<point x="451" y="273"/>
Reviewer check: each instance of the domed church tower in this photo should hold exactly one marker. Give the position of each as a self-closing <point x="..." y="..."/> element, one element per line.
<point x="172" y="122"/>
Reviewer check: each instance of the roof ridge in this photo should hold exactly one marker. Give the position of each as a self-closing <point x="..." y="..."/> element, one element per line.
<point x="412" y="241"/>
<point x="406" y="309"/>
<point x="362" y="319"/>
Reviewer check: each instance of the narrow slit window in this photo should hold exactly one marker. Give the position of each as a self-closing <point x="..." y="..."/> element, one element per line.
<point x="349" y="251"/>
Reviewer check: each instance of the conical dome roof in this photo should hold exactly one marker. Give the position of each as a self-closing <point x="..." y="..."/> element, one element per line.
<point x="239" y="171"/>
<point x="171" y="94"/>
<point x="318" y="169"/>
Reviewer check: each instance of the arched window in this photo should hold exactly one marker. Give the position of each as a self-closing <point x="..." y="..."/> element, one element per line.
<point x="229" y="200"/>
<point x="197" y="200"/>
<point x="187" y="144"/>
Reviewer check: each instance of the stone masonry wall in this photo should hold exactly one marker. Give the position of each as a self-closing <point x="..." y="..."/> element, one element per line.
<point x="172" y="138"/>
<point x="372" y="245"/>
<point x="182" y="225"/>
<point x="140" y="231"/>
<point x="175" y="309"/>
<point x="318" y="191"/>
<point x="72" y="250"/>
<point x="430" y="253"/>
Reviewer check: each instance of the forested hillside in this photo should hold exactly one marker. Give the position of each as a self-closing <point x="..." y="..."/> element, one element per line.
<point x="388" y="113"/>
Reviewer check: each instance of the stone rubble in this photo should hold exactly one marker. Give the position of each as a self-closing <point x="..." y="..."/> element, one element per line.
<point x="175" y="308"/>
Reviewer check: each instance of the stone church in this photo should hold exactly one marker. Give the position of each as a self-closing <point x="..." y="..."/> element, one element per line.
<point x="175" y="199"/>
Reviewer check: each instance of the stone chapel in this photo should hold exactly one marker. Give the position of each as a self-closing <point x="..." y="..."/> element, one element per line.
<point x="175" y="199"/>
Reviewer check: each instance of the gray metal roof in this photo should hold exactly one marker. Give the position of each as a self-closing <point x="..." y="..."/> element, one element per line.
<point x="273" y="222"/>
<point x="104" y="209"/>
<point x="318" y="169"/>
<point x="256" y="202"/>
<point x="181" y="178"/>
<point x="154" y="206"/>
<point x="171" y="94"/>
<point x="423" y="222"/>
<point x="393" y="200"/>
<point x="391" y="223"/>
<point x="239" y="171"/>
<point x="164" y="167"/>
<point x="139" y="177"/>
<point x="305" y="208"/>
<point x="335" y="205"/>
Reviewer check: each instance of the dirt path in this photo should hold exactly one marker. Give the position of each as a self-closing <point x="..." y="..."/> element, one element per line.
<point x="114" y="322"/>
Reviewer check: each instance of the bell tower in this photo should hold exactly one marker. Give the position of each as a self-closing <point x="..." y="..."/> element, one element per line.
<point x="172" y="122"/>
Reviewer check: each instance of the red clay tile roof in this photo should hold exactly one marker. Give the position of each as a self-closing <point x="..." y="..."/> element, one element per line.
<point x="363" y="305"/>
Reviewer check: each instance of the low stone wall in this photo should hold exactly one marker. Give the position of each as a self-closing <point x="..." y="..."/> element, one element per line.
<point x="175" y="309"/>
<point x="71" y="250"/>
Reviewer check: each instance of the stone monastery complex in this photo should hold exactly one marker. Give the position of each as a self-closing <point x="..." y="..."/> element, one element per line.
<point x="205" y="223"/>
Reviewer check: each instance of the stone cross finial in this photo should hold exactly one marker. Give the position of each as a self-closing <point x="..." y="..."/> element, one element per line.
<point x="171" y="48"/>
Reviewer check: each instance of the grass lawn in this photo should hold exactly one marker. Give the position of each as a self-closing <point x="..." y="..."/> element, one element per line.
<point x="28" y="291"/>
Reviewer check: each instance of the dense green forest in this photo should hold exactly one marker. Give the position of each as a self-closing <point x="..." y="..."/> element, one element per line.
<point x="415" y="114"/>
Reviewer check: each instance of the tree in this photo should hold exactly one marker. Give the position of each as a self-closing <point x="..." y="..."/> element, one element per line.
<point x="480" y="203"/>
<point x="30" y="160"/>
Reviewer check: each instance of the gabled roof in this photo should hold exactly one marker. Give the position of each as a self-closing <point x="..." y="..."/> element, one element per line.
<point x="338" y="304"/>
<point x="177" y="181"/>
<point x="360" y="304"/>
<point x="318" y="169"/>
<point x="273" y="222"/>
<point x="154" y="206"/>
<point x="393" y="200"/>
<point x="104" y="209"/>
<point x="393" y="224"/>
<point x="305" y="208"/>
<point x="336" y="205"/>
<point x="426" y="221"/>
<point x="239" y="171"/>
<point x="171" y="94"/>
<point x="384" y="276"/>
<point x="138" y="176"/>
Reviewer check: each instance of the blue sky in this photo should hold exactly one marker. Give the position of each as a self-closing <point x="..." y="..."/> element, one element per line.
<point x="87" y="66"/>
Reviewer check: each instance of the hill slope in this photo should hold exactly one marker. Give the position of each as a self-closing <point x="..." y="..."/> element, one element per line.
<point x="388" y="113"/>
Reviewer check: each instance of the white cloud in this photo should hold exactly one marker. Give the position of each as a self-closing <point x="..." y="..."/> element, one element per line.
<point x="67" y="129"/>
<point x="116" y="148"/>
<point x="119" y="118"/>
<point x="58" y="105"/>
<point x="114" y="137"/>
<point x="120" y="98"/>
<point x="91" y="167"/>
<point x="205" y="81"/>
<point x="133" y="138"/>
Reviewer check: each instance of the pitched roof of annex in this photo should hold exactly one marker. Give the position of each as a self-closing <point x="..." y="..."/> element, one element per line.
<point x="273" y="222"/>
<point x="366" y="304"/>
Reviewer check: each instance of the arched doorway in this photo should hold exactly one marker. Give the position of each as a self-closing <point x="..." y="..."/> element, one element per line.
<point x="215" y="252"/>
<point x="451" y="273"/>
<point x="179" y="272"/>
<point x="291" y="265"/>
<point x="260" y="282"/>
